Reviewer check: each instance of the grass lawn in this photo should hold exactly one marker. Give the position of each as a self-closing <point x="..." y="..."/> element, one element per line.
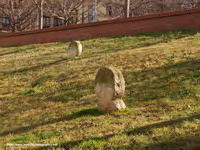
<point x="46" y="97"/>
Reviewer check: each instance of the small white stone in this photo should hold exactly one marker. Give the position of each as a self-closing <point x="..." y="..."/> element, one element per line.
<point x="75" y="49"/>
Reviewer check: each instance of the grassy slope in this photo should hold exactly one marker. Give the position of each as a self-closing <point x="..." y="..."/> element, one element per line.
<point x="46" y="97"/>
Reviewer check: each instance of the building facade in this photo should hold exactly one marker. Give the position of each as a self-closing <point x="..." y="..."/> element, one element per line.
<point x="88" y="11"/>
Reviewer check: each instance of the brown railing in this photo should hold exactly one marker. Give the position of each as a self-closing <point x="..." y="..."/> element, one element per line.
<point x="186" y="19"/>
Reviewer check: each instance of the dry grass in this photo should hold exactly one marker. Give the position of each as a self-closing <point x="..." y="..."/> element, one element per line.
<point x="47" y="97"/>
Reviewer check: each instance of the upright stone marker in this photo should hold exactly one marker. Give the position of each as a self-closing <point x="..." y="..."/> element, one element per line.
<point x="110" y="88"/>
<point x="75" y="49"/>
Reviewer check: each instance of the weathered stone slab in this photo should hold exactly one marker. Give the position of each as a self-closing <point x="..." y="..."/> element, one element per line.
<point x="109" y="89"/>
<point x="75" y="49"/>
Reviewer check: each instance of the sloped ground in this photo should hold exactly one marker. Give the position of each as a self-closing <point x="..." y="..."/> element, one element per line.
<point x="46" y="97"/>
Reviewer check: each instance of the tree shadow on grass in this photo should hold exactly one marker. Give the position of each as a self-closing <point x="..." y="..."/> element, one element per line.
<point x="192" y="142"/>
<point x="23" y="48"/>
<point x="164" y="82"/>
<point x="187" y="143"/>
<point x="75" y="115"/>
<point x="69" y="91"/>
<point x="165" y="37"/>
<point x="136" y="131"/>
<point x="177" y="34"/>
<point x="32" y="68"/>
<point x="9" y="53"/>
<point x="67" y="94"/>
<point x="116" y="49"/>
<point x="190" y="69"/>
<point x="145" y="129"/>
<point x="19" y="49"/>
<point x="40" y="66"/>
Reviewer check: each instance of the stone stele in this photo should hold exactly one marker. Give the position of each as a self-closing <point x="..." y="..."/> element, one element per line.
<point x="75" y="49"/>
<point x="109" y="89"/>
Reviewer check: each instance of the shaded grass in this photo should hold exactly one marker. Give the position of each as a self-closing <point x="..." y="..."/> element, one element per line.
<point x="82" y="113"/>
<point x="49" y="98"/>
<point x="104" y="142"/>
<point x="168" y="82"/>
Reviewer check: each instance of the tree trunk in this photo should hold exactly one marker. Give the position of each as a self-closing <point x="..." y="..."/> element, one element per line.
<point x="127" y="10"/>
<point x="95" y="10"/>
<point x="83" y="11"/>
<point x="41" y="13"/>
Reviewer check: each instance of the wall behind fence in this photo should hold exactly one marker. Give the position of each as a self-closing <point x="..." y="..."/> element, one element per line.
<point x="187" y="19"/>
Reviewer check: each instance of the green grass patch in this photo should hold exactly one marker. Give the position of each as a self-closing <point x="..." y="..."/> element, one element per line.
<point x="31" y="138"/>
<point x="48" y="97"/>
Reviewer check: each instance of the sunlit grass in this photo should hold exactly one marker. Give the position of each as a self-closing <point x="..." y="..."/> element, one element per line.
<point x="47" y="97"/>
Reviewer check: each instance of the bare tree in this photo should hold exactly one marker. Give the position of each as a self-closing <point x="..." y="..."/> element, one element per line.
<point x="142" y="7"/>
<point x="127" y="8"/>
<point x="19" y="13"/>
<point x="67" y="10"/>
<point x="40" y="12"/>
<point x="114" y="8"/>
<point x="188" y="4"/>
<point x="83" y="11"/>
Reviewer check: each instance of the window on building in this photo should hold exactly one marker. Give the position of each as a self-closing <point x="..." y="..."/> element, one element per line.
<point x="92" y="13"/>
<point x="1" y="25"/>
<point x="109" y="10"/>
<point x="5" y="21"/>
<point x="46" y="22"/>
<point x="57" y="22"/>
